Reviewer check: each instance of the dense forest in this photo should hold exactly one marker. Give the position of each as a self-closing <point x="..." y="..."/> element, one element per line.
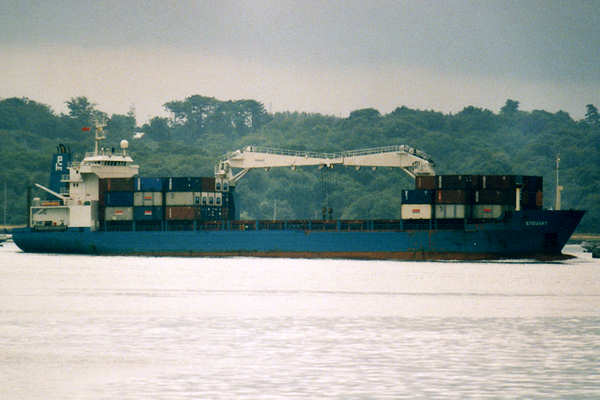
<point x="200" y="129"/>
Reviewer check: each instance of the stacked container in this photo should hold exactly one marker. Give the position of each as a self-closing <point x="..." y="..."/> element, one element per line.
<point x="417" y="204"/>
<point x="454" y="196"/>
<point x="190" y="199"/>
<point x="116" y="199"/>
<point x="147" y="203"/>
<point x="475" y="197"/>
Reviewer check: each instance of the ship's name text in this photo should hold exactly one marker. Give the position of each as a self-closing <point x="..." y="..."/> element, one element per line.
<point x="536" y="223"/>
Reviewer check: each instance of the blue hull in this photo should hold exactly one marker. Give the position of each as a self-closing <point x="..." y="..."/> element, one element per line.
<point x="525" y="234"/>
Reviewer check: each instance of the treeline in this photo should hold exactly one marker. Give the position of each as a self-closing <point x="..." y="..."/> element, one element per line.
<point x="200" y="129"/>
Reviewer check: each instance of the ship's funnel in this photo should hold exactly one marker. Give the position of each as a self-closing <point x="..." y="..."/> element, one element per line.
<point x="59" y="168"/>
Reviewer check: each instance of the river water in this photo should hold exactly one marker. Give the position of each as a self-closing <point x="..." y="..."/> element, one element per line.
<point x="81" y="327"/>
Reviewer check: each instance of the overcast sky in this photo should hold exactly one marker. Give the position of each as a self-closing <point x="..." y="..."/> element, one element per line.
<point x="330" y="57"/>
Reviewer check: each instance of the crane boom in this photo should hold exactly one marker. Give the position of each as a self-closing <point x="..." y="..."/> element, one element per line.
<point x="412" y="161"/>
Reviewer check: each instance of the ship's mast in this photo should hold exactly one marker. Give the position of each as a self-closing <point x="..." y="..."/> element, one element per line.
<point x="5" y="202"/>
<point x="98" y="137"/>
<point x="558" y="187"/>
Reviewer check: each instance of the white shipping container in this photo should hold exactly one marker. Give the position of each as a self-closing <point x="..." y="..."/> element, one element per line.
<point x="445" y="211"/>
<point x="179" y="199"/>
<point x="118" y="213"/>
<point x="416" y="211"/>
<point x="147" y="199"/>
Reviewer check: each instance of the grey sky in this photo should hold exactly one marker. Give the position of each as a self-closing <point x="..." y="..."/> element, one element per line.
<point x="316" y="56"/>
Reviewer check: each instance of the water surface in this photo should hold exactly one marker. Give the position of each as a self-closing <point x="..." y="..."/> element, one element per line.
<point x="85" y="327"/>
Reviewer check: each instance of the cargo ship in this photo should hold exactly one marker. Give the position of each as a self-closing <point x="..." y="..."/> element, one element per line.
<point x="101" y="205"/>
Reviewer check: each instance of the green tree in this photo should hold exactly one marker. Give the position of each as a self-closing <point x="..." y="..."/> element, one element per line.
<point x="510" y="107"/>
<point x="157" y="129"/>
<point x="85" y="112"/>
<point x="591" y="116"/>
<point x="122" y="126"/>
<point x="368" y="114"/>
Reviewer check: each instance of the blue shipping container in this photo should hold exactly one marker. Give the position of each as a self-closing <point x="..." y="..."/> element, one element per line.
<point x="118" y="199"/>
<point x="179" y="184"/>
<point x="147" y="213"/>
<point x="142" y="184"/>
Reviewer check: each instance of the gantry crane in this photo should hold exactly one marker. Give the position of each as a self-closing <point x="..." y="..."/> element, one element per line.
<point x="410" y="160"/>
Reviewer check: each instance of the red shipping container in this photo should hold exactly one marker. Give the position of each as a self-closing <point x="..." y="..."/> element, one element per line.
<point x="117" y="185"/>
<point x="208" y="184"/>
<point x="453" y="196"/>
<point x="425" y="182"/>
<point x="181" y="213"/>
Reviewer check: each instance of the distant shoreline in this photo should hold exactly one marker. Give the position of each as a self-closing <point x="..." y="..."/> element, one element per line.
<point x="586" y="236"/>
<point x="10" y="227"/>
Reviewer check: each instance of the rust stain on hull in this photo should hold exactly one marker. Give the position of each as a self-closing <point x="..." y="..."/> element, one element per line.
<point x="399" y="256"/>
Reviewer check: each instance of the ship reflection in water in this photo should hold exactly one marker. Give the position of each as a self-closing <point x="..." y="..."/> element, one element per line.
<point x="89" y="327"/>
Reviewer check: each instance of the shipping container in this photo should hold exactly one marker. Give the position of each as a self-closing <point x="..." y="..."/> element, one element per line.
<point x="424" y="182"/>
<point x="539" y="199"/>
<point x="417" y="196"/>
<point x="533" y="183"/>
<point x="147" y="213"/>
<point x="196" y="184"/>
<point x="148" y="225"/>
<point x="197" y="198"/>
<point x="118" y="213"/>
<point x="179" y="198"/>
<point x="227" y="199"/>
<point x="496" y="182"/>
<point x="490" y="211"/>
<point x="416" y="211"/>
<point x="180" y="213"/>
<point x="118" y="199"/>
<point x="179" y="184"/>
<point x="457" y="182"/>
<point x="447" y="211"/>
<point x="210" y="213"/>
<point x="118" y="226"/>
<point x="490" y="196"/>
<point x="142" y="184"/>
<point x="453" y="196"/>
<point x="531" y="200"/>
<point x="147" y="198"/>
<point x="225" y="213"/>
<point x="208" y="184"/>
<point x="208" y="198"/>
<point x="214" y="199"/>
<point x="221" y="186"/>
<point x="116" y="185"/>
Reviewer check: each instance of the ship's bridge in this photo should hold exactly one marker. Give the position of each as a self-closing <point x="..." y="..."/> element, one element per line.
<point x="106" y="164"/>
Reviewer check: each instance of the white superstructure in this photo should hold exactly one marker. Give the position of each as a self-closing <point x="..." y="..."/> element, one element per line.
<point x="81" y="200"/>
<point x="413" y="162"/>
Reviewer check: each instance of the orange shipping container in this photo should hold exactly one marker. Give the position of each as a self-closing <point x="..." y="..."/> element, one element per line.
<point x="181" y="213"/>
<point x="425" y="182"/>
<point x="539" y="199"/>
